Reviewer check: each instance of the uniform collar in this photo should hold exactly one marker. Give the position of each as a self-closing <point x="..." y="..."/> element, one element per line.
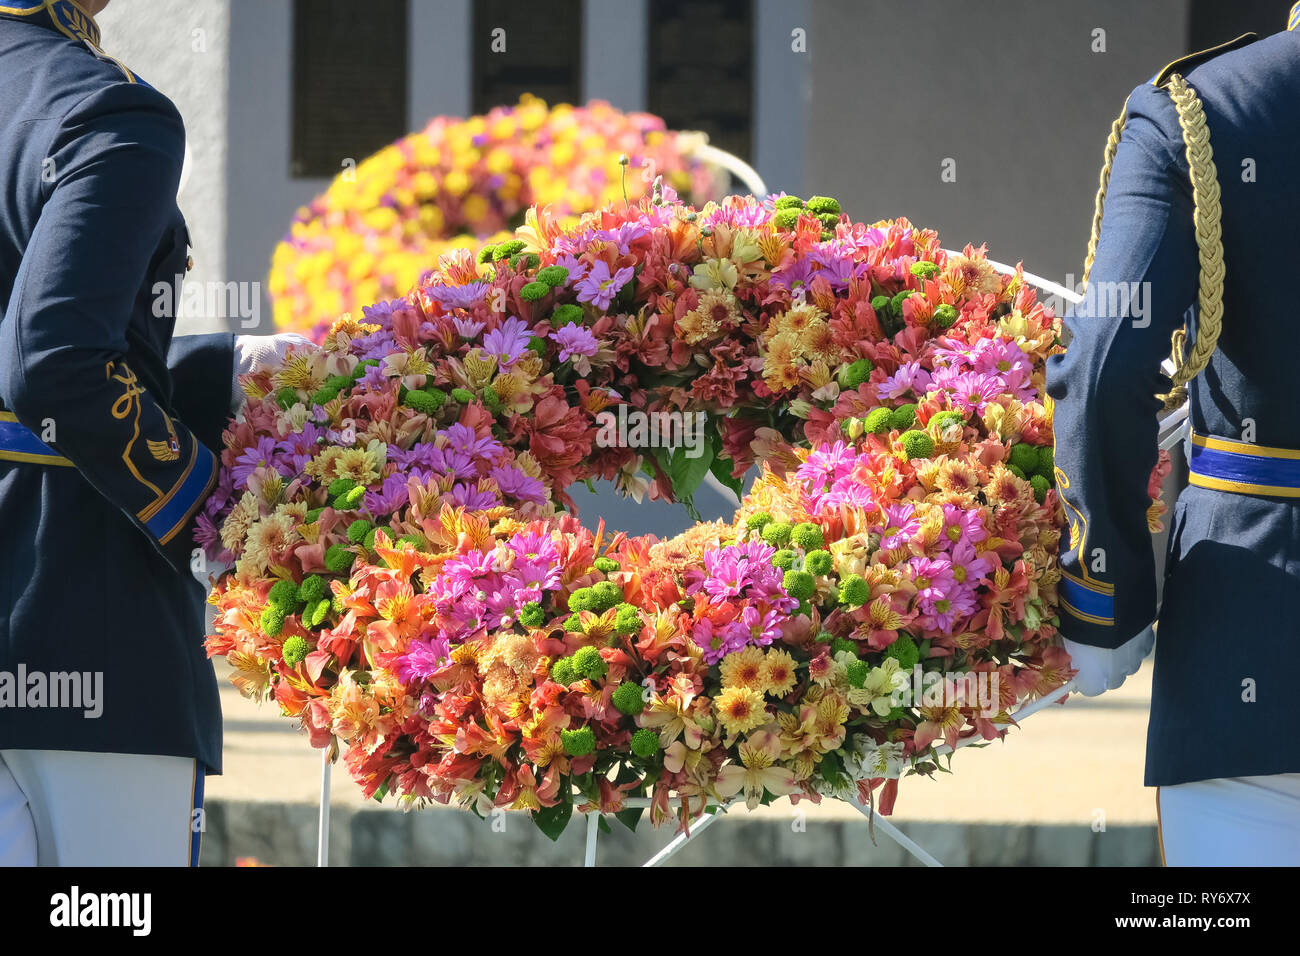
<point x="62" y="15"/>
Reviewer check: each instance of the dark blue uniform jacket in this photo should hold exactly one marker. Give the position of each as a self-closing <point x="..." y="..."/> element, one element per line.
<point x="107" y="422"/>
<point x="1223" y="701"/>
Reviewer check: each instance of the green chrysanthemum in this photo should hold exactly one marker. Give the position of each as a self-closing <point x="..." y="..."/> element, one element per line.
<point x="315" y="614"/>
<point x="783" y="559"/>
<point x="358" y="530"/>
<point x="799" y="584"/>
<point x="312" y="589"/>
<point x="758" y="521"/>
<point x="323" y="396"/>
<point x="338" y="559"/>
<point x="842" y="645"/>
<point x="425" y="401"/>
<point x="349" y="499"/>
<point x="903" y="417"/>
<point x="879" y="421"/>
<point x="852" y="375"/>
<point x="905" y="651"/>
<point x="627" y="620"/>
<point x="916" y="444"/>
<point x="553" y="275"/>
<point x="339" y="485"/>
<point x="1025" y="457"/>
<point x="272" y="620"/>
<point x="1047" y="462"/>
<point x="607" y="594"/>
<point x="788" y="202"/>
<point x="645" y="743"/>
<point x="534" y="291"/>
<point x="578" y="743"/>
<point x="566" y="314"/>
<point x="629" y="698"/>
<point x="562" y="672"/>
<point x="946" y="419"/>
<point x="945" y="316"/>
<point x="295" y="650"/>
<point x="786" y="219"/>
<point x="505" y="250"/>
<point x="605" y="565"/>
<point x="824" y="205"/>
<point x="807" y="536"/>
<point x="583" y="599"/>
<point x="854" y="590"/>
<point x="588" y="662"/>
<point x="896" y="302"/>
<point x="532" y="615"/>
<point x="818" y="562"/>
<point x="777" y="534"/>
<point x="284" y="594"/>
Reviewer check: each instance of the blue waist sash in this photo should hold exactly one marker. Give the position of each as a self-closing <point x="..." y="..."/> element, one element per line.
<point x="1244" y="468"/>
<point x="19" y="443"/>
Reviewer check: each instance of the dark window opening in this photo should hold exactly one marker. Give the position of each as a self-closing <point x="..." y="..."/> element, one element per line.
<point x="523" y="48"/>
<point x="349" y="82"/>
<point x="701" y="69"/>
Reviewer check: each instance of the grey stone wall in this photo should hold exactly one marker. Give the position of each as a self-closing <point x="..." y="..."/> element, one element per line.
<point x="285" y="835"/>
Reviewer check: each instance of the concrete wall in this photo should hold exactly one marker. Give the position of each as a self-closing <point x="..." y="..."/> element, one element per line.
<point x="284" y="834"/>
<point x="1011" y="91"/>
<point x="181" y="47"/>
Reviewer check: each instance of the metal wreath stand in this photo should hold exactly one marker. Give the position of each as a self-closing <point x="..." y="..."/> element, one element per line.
<point x="1172" y="431"/>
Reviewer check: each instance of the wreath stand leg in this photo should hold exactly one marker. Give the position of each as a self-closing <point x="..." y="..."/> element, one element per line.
<point x="593" y="831"/>
<point x="323" y="828"/>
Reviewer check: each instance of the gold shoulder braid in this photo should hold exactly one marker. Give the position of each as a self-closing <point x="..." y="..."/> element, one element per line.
<point x="1209" y="234"/>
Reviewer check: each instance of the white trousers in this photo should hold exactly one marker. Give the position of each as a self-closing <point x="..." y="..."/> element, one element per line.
<point x="1234" y="821"/>
<point x="64" y="808"/>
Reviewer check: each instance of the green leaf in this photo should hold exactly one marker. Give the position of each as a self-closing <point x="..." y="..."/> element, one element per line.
<point x="630" y="818"/>
<point x="687" y="473"/>
<point x="553" y="820"/>
<point x="602" y="824"/>
<point x="721" y="468"/>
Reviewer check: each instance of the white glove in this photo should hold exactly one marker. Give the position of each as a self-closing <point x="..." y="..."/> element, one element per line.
<point x="256" y="352"/>
<point x="1101" y="668"/>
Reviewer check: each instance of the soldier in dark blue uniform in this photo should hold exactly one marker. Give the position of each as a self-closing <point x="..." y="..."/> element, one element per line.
<point x="109" y="428"/>
<point x="1221" y="746"/>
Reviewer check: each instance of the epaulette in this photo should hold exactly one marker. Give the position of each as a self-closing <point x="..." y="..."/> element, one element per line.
<point x="72" y="21"/>
<point x="1186" y="64"/>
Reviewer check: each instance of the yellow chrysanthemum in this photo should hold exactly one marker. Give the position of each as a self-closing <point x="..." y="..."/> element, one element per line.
<point x="779" y="675"/>
<point x="740" y="709"/>
<point x="744" y="669"/>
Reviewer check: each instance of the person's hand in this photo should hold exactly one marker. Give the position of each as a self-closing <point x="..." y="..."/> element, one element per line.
<point x="256" y="352"/>
<point x="1101" y="668"/>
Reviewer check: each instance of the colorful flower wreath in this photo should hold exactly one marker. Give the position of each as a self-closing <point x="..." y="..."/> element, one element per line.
<point x="406" y="579"/>
<point x="379" y="226"/>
